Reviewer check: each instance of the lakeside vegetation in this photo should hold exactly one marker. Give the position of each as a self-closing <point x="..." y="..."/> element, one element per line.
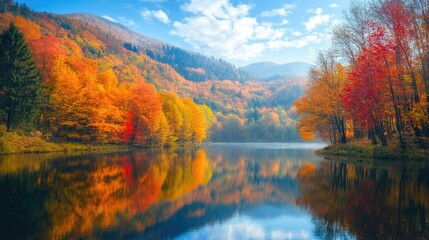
<point x="372" y="87"/>
<point x="362" y="150"/>
<point x="20" y="142"/>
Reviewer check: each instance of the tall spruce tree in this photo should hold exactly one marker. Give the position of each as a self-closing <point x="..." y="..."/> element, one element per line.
<point x="20" y="80"/>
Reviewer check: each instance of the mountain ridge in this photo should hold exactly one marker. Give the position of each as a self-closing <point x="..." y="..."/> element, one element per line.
<point x="269" y="70"/>
<point x="192" y="65"/>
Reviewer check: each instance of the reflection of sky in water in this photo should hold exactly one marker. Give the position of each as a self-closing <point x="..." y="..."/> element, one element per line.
<point x="272" y="145"/>
<point x="263" y="222"/>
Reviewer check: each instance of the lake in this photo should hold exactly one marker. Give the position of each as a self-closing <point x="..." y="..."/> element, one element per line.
<point x="216" y="191"/>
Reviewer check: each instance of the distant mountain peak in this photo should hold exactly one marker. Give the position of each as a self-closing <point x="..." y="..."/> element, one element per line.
<point x="269" y="69"/>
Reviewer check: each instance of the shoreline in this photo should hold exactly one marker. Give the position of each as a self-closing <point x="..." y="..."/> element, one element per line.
<point x="367" y="151"/>
<point x="13" y="143"/>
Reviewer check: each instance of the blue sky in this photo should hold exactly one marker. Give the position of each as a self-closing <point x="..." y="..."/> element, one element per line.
<point x="241" y="32"/>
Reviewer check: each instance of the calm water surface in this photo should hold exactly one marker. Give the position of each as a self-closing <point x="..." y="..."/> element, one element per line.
<point x="218" y="191"/>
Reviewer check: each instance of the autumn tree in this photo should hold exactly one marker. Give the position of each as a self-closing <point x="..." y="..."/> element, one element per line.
<point x="20" y="79"/>
<point x="199" y="123"/>
<point x="74" y="98"/>
<point x="145" y="113"/>
<point x="384" y="43"/>
<point x="44" y="49"/>
<point x="86" y="104"/>
<point x="350" y="37"/>
<point x="109" y="117"/>
<point x="171" y="109"/>
<point x="320" y="108"/>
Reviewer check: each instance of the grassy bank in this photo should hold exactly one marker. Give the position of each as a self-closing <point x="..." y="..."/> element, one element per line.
<point x="366" y="150"/>
<point x="13" y="142"/>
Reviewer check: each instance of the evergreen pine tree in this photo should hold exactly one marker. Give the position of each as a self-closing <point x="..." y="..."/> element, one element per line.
<point x="20" y="80"/>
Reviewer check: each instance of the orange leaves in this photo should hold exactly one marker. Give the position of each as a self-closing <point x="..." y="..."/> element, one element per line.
<point x="146" y="106"/>
<point x="89" y="105"/>
<point x="100" y="92"/>
<point x="197" y="120"/>
<point x="85" y="105"/>
<point x="46" y="47"/>
<point x="30" y="29"/>
<point x="320" y="109"/>
<point x="159" y="119"/>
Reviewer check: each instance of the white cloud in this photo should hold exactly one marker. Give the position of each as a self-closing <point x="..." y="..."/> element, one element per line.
<point x="316" y="11"/>
<point x="284" y="22"/>
<point x="222" y="29"/>
<point x="307" y="40"/>
<point x="110" y="19"/>
<point x="225" y="30"/>
<point x="284" y="11"/>
<point x="127" y="22"/>
<point x="334" y="5"/>
<point x="217" y="9"/>
<point x="317" y="19"/>
<point x="160" y="15"/>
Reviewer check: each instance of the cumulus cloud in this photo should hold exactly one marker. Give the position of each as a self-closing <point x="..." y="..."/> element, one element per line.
<point x="318" y="19"/>
<point x="283" y="12"/>
<point x="334" y="5"/>
<point x="228" y="31"/>
<point x="160" y="15"/>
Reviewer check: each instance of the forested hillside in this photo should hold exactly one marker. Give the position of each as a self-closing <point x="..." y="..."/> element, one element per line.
<point x="191" y="65"/>
<point x="104" y="83"/>
<point x="196" y="67"/>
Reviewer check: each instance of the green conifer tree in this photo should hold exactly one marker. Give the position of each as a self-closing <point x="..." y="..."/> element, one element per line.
<point x="20" y="80"/>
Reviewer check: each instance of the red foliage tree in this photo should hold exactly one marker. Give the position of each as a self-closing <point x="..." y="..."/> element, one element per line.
<point x="366" y="97"/>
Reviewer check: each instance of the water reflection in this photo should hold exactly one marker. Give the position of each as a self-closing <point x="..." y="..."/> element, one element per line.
<point x="151" y="194"/>
<point x="82" y="196"/>
<point x="220" y="191"/>
<point x="383" y="202"/>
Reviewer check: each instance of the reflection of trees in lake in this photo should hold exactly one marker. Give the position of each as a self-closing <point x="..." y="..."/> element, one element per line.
<point x="75" y="196"/>
<point x="114" y="195"/>
<point x="370" y="202"/>
<point x="240" y="181"/>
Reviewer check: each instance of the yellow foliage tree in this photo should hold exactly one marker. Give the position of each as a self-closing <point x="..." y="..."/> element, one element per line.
<point x="320" y="108"/>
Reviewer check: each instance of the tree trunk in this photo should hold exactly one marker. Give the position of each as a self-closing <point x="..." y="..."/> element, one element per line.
<point x="395" y="106"/>
<point x="380" y="133"/>
<point x="9" y="120"/>
<point x="372" y="137"/>
<point x="343" y="131"/>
